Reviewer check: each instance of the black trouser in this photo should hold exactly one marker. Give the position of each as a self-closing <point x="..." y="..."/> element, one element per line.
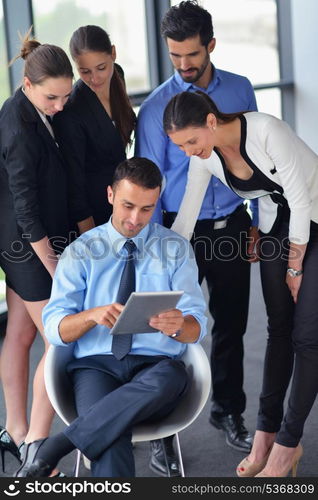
<point x="111" y="397"/>
<point x="292" y="335"/>
<point x="221" y="258"/>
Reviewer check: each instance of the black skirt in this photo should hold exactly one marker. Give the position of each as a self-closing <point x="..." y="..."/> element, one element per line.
<point x="27" y="277"/>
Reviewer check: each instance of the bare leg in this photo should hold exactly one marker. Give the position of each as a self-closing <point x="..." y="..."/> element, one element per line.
<point x="281" y="460"/>
<point x="262" y="443"/>
<point x="42" y="412"/>
<point x="20" y="334"/>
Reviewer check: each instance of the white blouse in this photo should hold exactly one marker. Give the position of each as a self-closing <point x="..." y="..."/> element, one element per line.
<point x="270" y="147"/>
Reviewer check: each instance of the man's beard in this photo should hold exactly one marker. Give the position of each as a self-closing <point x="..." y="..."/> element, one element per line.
<point x="198" y="71"/>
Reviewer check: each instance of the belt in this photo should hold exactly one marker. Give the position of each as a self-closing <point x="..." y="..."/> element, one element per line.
<point x="219" y="223"/>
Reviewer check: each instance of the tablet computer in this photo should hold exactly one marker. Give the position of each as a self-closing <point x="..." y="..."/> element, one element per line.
<point x="140" y="306"/>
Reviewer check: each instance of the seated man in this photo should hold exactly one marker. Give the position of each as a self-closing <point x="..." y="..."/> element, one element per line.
<point x="119" y="385"/>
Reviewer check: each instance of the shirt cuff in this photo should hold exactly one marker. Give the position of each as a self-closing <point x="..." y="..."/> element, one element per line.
<point x="52" y="332"/>
<point x="203" y="330"/>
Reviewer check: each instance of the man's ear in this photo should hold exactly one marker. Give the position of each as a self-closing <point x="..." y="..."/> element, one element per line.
<point x="211" y="45"/>
<point x="110" y="194"/>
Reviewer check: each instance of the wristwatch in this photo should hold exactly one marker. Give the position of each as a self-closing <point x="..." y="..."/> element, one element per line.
<point x="294" y="272"/>
<point x="176" y="334"/>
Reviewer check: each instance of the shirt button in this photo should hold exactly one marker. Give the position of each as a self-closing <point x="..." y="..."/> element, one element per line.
<point x="217" y="206"/>
<point x="216" y="184"/>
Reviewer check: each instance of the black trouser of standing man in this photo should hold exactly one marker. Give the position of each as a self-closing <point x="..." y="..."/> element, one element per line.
<point x="221" y="252"/>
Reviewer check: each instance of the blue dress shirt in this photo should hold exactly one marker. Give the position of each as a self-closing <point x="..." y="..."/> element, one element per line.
<point x="231" y="93"/>
<point x="88" y="275"/>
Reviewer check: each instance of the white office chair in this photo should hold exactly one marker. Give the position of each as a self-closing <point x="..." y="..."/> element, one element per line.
<point x="60" y="393"/>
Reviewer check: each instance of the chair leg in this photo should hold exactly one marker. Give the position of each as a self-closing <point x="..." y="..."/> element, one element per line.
<point x="179" y="454"/>
<point x="87" y="462"/>
<point x="77" y="463"/>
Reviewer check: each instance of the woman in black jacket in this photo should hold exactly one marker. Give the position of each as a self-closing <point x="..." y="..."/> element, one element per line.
<point x="34" y="228"/>
<point x="96" y="126"/>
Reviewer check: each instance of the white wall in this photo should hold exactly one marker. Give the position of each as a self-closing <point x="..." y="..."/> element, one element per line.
<point x="305" y="52"/>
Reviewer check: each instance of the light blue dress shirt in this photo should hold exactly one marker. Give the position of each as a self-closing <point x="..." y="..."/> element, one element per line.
<point x="89" y="272"/>
<point x="231" y="93"/>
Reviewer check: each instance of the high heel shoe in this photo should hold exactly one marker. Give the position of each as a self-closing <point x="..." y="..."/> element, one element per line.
<point x="292" y="468"/>
<point x="21" y="449"/>
<point x="249" y="469"/>
<point x="31" y="465"/>
<point x="7" y="444"/>
<point x="24" y="450"/>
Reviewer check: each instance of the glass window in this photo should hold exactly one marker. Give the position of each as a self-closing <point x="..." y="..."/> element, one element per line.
<point x="124" y="20"/>
<point x="246" y="35"/>
<point x="270" y="101"/>
<point x="4" y="72"/>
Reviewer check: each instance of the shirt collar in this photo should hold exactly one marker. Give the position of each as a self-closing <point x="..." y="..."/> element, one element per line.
<point x="190" y="86"/>
<point x="117" y="240"/>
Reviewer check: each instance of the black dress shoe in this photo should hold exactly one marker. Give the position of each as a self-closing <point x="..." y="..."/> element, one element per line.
<point x="157" y="459"/>
<point x="32" y="466"/>
<point x="236" y="434"/>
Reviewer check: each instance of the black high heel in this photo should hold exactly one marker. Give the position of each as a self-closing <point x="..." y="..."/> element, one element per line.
<point x="7" y="444"/>
<point x="31" y="465"/>
<point x="30" y="450"/>
<point x="22" y="450"/>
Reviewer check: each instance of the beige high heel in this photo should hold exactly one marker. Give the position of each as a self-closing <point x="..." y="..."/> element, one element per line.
<point x="293" y="468"/>
<point x="249" y="469"/>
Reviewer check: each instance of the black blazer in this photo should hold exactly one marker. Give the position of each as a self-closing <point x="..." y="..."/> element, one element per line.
<point x="33" y="181"/>
<point x="92" y="148"/>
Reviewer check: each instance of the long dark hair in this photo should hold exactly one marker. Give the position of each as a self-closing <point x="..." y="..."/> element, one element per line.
<point x="190" y="109"/>
<point x="43" y="61"/>
<point x="95" y="39"/>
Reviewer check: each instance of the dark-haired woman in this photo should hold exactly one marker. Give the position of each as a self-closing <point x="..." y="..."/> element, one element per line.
<point x="96" y="126"/>
<point x="259" y="156"/>
<point x="34" y="227"/>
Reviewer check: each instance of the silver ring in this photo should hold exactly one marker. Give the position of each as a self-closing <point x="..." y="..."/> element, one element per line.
<point x="174" y="335"/>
